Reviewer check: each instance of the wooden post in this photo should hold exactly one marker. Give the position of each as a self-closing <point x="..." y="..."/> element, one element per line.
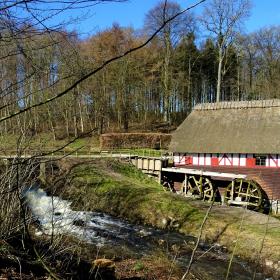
<point x="232" y="191"/>
<point x="159" y="173"/>
<point x="277" y="207"/>
<point x="200" y="186"/>
<point x="185" y="185"/>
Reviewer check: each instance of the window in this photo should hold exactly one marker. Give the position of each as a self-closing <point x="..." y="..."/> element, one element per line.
<point x="260" y="160"/>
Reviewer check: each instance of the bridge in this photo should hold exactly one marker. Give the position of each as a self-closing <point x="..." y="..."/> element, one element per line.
<point x="150" y="162"/>
<point x="155" y="165"/>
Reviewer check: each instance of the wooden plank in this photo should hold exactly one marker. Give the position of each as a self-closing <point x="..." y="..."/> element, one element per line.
<point x="205" y="173"/>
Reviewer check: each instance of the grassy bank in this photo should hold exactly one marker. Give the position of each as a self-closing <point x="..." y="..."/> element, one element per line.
<point x="121" y="190"/>
<point x="45" y="143"/>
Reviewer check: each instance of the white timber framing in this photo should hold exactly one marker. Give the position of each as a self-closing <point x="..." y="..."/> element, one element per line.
<point x="204" y="173"/>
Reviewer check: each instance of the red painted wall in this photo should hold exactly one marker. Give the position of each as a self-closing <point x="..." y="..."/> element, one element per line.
<point x="250" y="162"/>
<point x="214" y="161"/>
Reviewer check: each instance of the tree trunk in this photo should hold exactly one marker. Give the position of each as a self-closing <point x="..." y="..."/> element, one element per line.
<point x="219" y="80"/>
<point x="75" y="113"/>
<point x="189" y="86"/>
<point x="51" y="123"/>
<point x="81" y="117"/>
<point x="166" y="81"/>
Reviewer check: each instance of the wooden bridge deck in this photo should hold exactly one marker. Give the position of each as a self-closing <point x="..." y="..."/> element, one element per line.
<point x="56" y="156"/>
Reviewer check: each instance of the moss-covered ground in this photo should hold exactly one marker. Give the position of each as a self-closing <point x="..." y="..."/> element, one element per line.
<point x="119" y="189"/>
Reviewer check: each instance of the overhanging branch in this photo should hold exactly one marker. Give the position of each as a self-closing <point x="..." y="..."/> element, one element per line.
<point x="102" y="66"/>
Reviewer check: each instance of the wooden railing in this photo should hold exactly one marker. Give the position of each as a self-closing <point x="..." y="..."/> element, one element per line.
<point x="84" y="154"/>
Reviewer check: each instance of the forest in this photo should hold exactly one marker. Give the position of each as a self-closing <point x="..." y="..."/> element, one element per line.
<point x="46" y="85"/>
<point x="65" y="203"/>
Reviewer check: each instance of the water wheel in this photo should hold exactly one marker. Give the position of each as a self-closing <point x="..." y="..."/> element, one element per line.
<point x="167" y="184"/>
<point x="199" y="186"/>
<point x="244" y="192"/>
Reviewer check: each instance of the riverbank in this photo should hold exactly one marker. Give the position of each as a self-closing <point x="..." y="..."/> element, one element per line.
<point x="121" y="190"/>
<point x="73" y="259"/>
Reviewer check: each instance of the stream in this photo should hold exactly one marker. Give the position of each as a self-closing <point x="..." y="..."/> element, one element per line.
<point x="133" y="241"/>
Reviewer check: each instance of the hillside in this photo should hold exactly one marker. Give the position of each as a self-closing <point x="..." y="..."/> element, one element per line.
<point x="121" y="190"/>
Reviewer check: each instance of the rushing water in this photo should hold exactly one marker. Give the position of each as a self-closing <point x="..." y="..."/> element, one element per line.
<point x="55" y="216"/>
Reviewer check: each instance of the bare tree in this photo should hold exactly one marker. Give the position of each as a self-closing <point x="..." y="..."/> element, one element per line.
<point x="267" y="43"/>
<point x="223" y="19"/>
<point x="183" y="24"/>
<point x="17" y="29"/>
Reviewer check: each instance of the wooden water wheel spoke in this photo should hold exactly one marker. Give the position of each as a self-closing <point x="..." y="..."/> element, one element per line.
<point x="168" y="185"/>
<point x="240" y="187"/>
<point x="243" y="192"/>
<point x="208" y="190"/>
<point x="193" y="185"/>
<point x="248" y="190"/>
<point x="253" y="204"/>
<point x="196" y="182"/>
<point x="199" y="186"/>
<point x="254" y="190"/>
<point x="250" y="195"/>
<point x="254" y="196"/>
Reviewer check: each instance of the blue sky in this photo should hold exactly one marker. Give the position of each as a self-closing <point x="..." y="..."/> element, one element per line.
<point x="132" y="13"/>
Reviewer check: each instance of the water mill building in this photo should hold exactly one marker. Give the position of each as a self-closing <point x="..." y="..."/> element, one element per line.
<point x="230" y="149"/>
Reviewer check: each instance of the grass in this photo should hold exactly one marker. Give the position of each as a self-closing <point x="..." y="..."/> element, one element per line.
<point x="125" y="192"/>
<point x="157" y="266"/>
<point x="44" y="142"/>
<point x="121" y="190"/>
<point x="141" y="152"/>
<point x="139" y="266"/>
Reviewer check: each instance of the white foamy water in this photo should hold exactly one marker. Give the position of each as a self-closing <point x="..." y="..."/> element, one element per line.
<point x="56" y="217"/>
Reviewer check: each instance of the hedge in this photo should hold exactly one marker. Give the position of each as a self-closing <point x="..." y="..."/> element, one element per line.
<point x="112" y="141"/>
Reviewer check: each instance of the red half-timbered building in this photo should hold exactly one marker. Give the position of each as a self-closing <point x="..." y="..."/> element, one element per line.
<point x="236" y="142"/>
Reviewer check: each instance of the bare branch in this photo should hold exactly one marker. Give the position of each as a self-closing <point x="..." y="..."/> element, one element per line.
<point x="107" y="62"/>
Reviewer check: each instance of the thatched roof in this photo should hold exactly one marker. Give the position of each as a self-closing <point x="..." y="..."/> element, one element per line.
<point x="230" y="127"/>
